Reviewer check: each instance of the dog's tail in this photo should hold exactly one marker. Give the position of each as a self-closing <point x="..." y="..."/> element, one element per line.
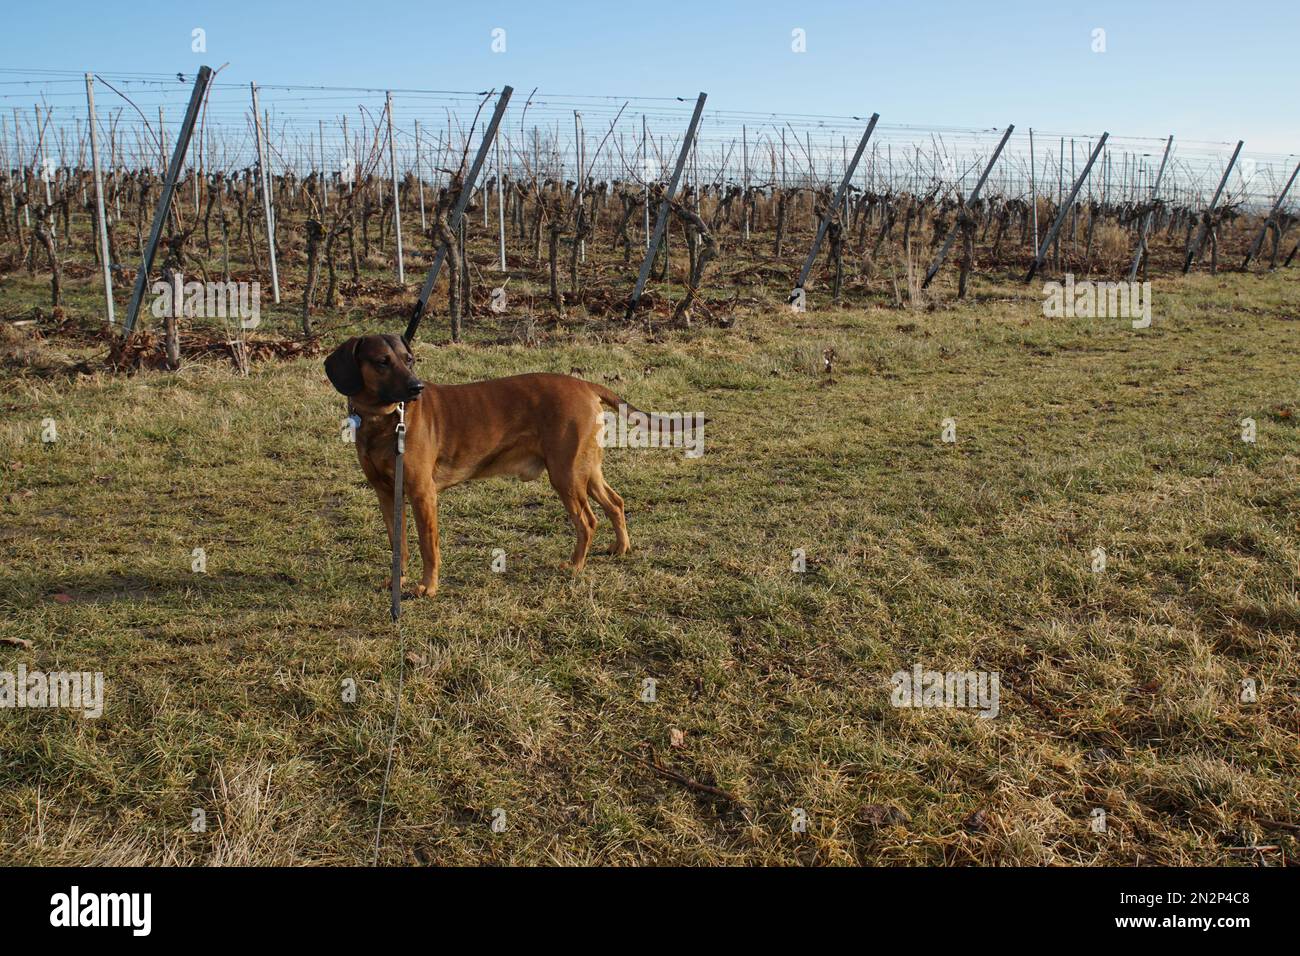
<point x="610" y="400"/>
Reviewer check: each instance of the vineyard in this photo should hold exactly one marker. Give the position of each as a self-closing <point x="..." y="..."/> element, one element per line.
<point x="909" y="462"/>
<point x="558" y="214"/>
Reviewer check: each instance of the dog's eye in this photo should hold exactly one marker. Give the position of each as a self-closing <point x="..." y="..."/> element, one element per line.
<point x="385" y="361"/>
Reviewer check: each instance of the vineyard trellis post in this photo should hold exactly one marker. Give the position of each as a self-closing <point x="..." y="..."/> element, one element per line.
<point x="264" y="174"/>
<point x="419" y="178"/>
<point x="1060" y="197"/>
<point x="39" y="160"/>
<point x="1146" y="220"/>
<point x="162" y="141"/>
<point x="324" y="176"/>
<point x="4" y="161"/>
<point x="489" y="136"/>
<point x="18" y="149"/>
<point x="580" y="143"/>
<point x="397" y="192"/>
<point x="1033" y="188"/>
<point x="661" y="220"/>
<point x="645" y="177"/>
<point x="1208" y="216"/>
<point x="970" y="205"/>
<point x="695" y="168"/>
<point x="835" y="205"/>
<point x="115" y="163"/>
<point x="201" y="82"/>
<point x="1074" y="208"/>
<point x="891" y="168"/>
<point x="270" y="183"/>
<point x="501" y="204"/>
<point x="744" y="196"/>
<point x="1263" y="229"/>
<point x="844" y="158"/>
<point x="1107" y="173"/>
<point x="347" y="169"/>
<point x="99" y="198"/>
<point x="1041" y="254"/>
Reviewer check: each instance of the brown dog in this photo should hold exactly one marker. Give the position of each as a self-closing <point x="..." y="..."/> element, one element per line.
<point x="505" y="426"/>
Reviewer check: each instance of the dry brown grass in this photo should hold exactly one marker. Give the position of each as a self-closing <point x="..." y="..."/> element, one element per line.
<point x="522" y="691"/>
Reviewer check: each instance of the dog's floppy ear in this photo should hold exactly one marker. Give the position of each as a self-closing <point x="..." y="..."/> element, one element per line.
<point x="342" y="369"/>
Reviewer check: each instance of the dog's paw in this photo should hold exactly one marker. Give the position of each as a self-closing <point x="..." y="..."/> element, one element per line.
<point x="426" y="590"/>
<point x="387" y="584"/>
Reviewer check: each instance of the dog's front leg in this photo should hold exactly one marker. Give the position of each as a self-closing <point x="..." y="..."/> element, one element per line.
<point x="424" y="504"/>
<point x="385" y="494"/>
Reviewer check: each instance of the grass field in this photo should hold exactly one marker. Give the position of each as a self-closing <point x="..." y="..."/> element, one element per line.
<point x="521" y="693"/>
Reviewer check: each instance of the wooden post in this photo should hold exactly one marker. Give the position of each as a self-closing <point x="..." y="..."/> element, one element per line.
<point x="397" y="193"/>
<point x="99" y="198"/>
<point x="839" y="198"/>
<point x="201" y="83"/>
<point x="18" y="148"/>
<point x="1060" y="195"/>
<point x="345" y="159"/>
<point x="1074" y="209"/>
<point x="264" y="174"/>
<point x="1263" y="230"/>
<point x="8" y="167"/>
<point x="162" y="142"/>
<point x="970" y="204"/>
<point x="695" y="169"/>
<point x="1146" y="220"/>
<point x="661" y="221"/>
<point x="1033" y="188"/>
<point x="1208" y="215"/>
<point x="645" y="176"/>
<point x="419" y="177"/>
<point x="324" y="176"/>
<point x="194" y="172"/>
<point x="115" y="163"/>
<point x="39" y="160"/>
<point x="1061" y="210"/>
<point x="783" y="157"/>
<point x="270" y="183"/>
<point x="489" y="136"/>
<point x="744" y="195"/>
<point x="501" y="205"/>
<point x="580" y="158"/>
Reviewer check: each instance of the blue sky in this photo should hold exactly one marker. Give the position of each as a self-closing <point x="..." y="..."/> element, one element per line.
<point x="1204" y="71"/>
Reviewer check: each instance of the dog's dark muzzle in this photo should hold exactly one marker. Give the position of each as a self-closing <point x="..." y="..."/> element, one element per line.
<point x="407" y="392"/>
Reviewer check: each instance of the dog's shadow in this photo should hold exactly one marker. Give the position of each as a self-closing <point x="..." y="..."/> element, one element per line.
<point x="179" y="589"/>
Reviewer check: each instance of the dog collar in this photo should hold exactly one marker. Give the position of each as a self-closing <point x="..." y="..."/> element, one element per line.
<point x="356" y="415"/>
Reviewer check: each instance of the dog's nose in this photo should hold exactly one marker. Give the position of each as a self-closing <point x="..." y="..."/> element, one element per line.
<point x="414" y="389"/>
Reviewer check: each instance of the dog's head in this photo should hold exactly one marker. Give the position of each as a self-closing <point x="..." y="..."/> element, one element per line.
<point x="374" y="370"/>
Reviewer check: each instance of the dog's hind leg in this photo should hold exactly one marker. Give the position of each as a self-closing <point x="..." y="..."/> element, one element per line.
<point x="612" y="504"/>
<point x="573" y="495"/>
<point x="568" y="463"/>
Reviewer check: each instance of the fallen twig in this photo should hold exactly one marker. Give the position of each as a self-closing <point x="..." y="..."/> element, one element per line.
<point x="687" y="782"/>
